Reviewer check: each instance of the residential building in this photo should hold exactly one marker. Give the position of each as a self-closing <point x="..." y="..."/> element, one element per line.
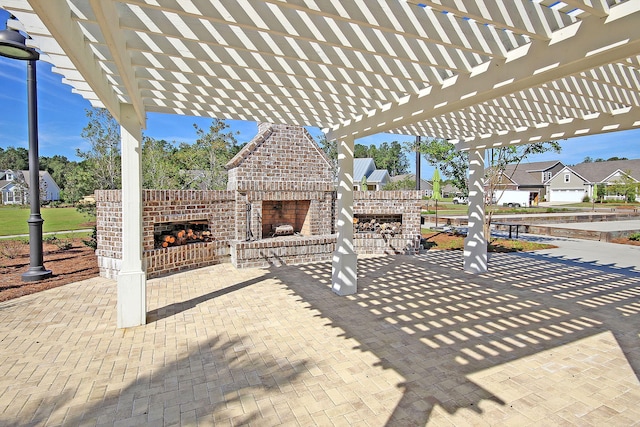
<point x="425" y="186"/>
<point x="14" y="186"/>
<point x="573" y="183"/>
<point x="529" y="177"/>
<point x="375" y="178"/>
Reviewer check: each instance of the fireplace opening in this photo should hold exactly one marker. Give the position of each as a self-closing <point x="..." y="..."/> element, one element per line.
<point x="285" y="218"/>
<point x="379" y="224"/>
<point x="169" y="234"/>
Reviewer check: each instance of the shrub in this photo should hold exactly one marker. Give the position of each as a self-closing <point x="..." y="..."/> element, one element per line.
<point x="92" y="241"/>
<point x="586" y="199"/>
<point x="11" y="248"/>
<point x="635" y="236"/>
<point x="62" y="244"/>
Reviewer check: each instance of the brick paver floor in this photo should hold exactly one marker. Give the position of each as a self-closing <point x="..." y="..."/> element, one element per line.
<point x="536" y="341"/>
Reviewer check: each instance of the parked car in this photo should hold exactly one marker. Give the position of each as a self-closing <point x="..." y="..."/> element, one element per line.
<point x="460" y="200"/>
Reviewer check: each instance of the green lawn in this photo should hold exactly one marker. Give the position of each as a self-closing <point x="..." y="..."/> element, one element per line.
<point x="14" y="220"/>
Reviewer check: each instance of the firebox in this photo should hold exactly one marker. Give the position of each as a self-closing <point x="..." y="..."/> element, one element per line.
<point x="169" y="234"/>
<point x="285" y="217"/>
<point x="379" y="224"/>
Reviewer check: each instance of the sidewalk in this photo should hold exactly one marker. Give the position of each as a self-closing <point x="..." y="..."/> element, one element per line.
<point x="51" y="233"/>
<point x="626" y="257"/>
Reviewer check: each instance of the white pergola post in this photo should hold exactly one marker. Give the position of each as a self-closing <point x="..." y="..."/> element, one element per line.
<point x="132" y="280"/>
<point x="475" y="244"/>
<point x="344" y="267"/>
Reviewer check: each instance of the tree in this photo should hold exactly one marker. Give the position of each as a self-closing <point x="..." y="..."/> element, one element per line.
<point x="406" y="183"/>
<point x="452" y="163"/>
<point x="390" y="156"/>
<point x="330" y="148"/>
<point x="80" y="182"/>
<point x="588" y="160"/>
<point x="58" y="167"/>
<point x="21" y="188"/>
<point x="506" y="156"/>
<point x="103" y="157"/>
<point x="601" y="191"/>
<point x="159" y="170"/>
<point x="204" y="165"/>
<point x="14" y="158"/>
<point x="627" y="187"/>
<point x="360" y="151"/>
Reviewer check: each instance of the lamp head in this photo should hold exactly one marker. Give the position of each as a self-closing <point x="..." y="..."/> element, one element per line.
<point x="12" y="45"/>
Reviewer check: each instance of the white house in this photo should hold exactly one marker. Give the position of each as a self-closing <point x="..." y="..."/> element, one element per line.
<point x="366" y="167"/>
<point x="14" y="186"/>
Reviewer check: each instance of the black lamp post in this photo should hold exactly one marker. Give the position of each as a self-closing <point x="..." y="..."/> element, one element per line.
<point x="12" y="45"/>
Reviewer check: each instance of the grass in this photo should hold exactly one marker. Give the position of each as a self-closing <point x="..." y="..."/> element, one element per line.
<point x="447" y="241"/>
<point x="613" y="204"/>
<point x="14" y="220"/>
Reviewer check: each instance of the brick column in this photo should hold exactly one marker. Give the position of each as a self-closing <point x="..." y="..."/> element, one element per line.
<point x="344" y="266"/>
<point x="132" y="280"/>
<point x="475" y="244"/>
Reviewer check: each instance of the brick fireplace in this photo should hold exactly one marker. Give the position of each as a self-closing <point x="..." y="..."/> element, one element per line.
<point x="280" y="178"/>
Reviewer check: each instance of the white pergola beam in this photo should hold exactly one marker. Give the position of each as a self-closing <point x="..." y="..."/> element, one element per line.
<point x="108" y="20"/>
<point x="583" y="47"/>
<point x="598" y="8"/>
<point x="603" y="123"/>
<point x="56" y="16"/>
<point x="522" y="17"/>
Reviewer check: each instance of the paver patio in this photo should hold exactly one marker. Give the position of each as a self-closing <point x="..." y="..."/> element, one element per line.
<point x="536" y="341"/>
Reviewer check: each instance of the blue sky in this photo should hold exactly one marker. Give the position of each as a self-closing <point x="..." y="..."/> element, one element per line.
<point x="62" y="116"/>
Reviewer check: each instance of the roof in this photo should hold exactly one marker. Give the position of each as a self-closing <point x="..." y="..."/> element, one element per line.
<point x="378" y="175"/>
<point x="424" y="184"/>
<point x="529" y="173"/>
<point x="600" y="171"/>
<point x="478" y="73"/>
<point x="362" y="167"/>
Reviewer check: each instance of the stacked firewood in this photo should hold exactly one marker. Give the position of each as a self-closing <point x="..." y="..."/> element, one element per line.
<point x="182" y="237"/>
<point x="373" y="226"/>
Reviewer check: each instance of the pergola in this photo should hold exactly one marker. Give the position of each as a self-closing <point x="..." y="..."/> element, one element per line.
<point x="480" y="73"/>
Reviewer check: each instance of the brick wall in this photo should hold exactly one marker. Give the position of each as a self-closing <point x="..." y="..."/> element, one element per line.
<point x="389" y="203"/>
<point x="281" y="164"/>
<point x="280" y="158"/>
<point x="163" y="206"/>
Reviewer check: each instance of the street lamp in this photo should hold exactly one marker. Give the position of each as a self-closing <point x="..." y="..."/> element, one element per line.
<point x="12" y="45"/>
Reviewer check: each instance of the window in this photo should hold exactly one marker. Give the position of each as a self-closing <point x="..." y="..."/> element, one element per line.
<point x="546" y="176"/>
<point x="567" y="177"/>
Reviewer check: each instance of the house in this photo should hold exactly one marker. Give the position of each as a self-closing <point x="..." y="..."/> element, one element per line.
<point x="449" y="190"/>
<point x="529" y="177"/>
<point x="573" y="183"/>
<point x="366" y="168"/>
<point x="14" y="186"/>
<point x="425" y="186"/>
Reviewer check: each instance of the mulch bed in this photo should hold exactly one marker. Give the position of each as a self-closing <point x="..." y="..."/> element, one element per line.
<point x="67" y="265"/>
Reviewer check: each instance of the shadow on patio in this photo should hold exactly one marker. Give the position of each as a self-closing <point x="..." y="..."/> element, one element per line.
<point x="438" y="327"/>
<point x="536" y="341"/>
